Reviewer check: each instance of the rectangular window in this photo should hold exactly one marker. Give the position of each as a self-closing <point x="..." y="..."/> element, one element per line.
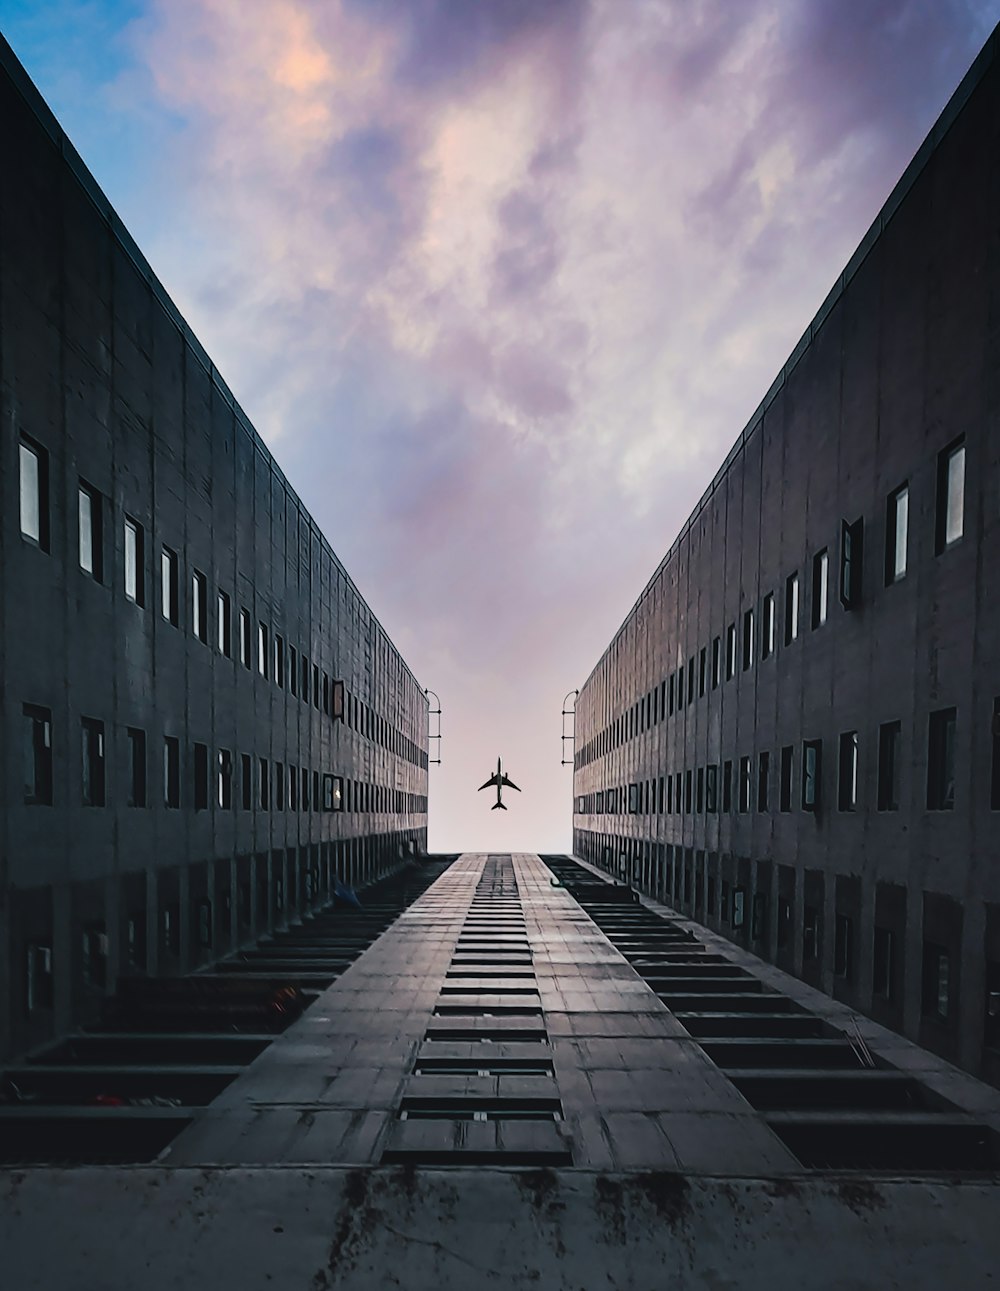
<point x="91" y="544"/>
<point x="842" y="948"/>
<point x="812" y="752"/>
<point x="727" y="785"/>
<point x="995" y="769"/>
<point x="326" y="695"/>
<point x="245" y="639"/>
<point x="671" y="695"/>
<point x="687" y="791"/>
<point x="199" y="606"/>
<point x="262" y="648"/>
<point x="246" y="781"/>
<point x="702" y="671"/>
<point x="225" y="779"/>
<point x="279" y="661"/>
<point x="204" y="925"/>
<point x="950" y="495"/>
<point x="889" y="767"/>
<point x="716" y="662"/>
<point x="33" y="463"/>
<point x="691" y="680"/>
<point x="791" y="608"/>
<point x="93" y="762"/>
<point x="747" y="639"/>
<point x="739" y="899"/>
<point x="847" y="780"/>
<point x="767" y="626"/>
<point x="936" y="983"/>
<point x="169" y="586"/>
<point x="305" y="679"/>
<point x="810" y="933"/>
<point x="784" y="922"/>
<point x="305" y="789"/>
<point x="680" y="687"/>
<point x="851" y="563"/>
<point x="746" y="783"/>
<point x="785" y="788"/>
<point x="293" y="670"/>
<point x="315" y="685"/>
<point x="328" y="793"/>
<point x="337" y="700"/>
<point x="136" y="741"/>
<point x="279" y="786"/>
<point x="225" y="612"/>
<point x="820" y="587"/>
<point x="293" y="788"/>
<point x="171" y="771"/>
<point x="941" y="760"/>
<point x="731" y="651"/>
<point x="338" y="793"/>
<point x="135" y="561"/>
<point x="883" y="963"/>
<point x="700" y="791"/>
<point x="265" y="785"/>
<point x="763" y="781"/>
<point x="37" y="728"/>
<point x="897" y="521"/>
<point x="38" y="992"/>
<point x="201" y="777"/>
<point x="712" y="788"/>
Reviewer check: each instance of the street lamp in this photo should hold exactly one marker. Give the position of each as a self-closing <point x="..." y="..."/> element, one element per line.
<point x="570" y="734"/>
<point x="431" y="733"/>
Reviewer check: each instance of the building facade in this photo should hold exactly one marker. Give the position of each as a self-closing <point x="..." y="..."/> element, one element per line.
<point x="204" y="725"/>
<point x="794" y="737"/>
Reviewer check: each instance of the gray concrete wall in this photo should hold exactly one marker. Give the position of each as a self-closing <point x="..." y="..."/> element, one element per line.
<point x="901" y="362"/>
<point x="101" y="374"/>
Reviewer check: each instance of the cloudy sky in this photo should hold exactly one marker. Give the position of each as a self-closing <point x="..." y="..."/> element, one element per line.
<point x="499" y="282"/>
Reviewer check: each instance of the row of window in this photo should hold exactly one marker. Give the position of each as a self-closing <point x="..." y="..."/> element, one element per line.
<point x="710" y="789"/>
<point x="740" y="648"/>
<point x="273" y="657"/>
<point x="262" y="783"/>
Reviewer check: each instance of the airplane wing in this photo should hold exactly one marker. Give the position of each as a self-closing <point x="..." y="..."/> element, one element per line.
<point x="491" y="781"/>
<point x="508" y="782"/>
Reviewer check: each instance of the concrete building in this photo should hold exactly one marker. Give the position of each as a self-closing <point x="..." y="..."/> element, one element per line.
<point x="794" y="737"/>
<point x="203" y="722"/>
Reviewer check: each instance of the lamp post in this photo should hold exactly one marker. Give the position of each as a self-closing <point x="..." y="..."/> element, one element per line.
<point x="570" y="734"/>
<point x="431" y="733"/>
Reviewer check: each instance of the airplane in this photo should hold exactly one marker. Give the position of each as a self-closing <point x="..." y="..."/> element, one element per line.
<point x="499" y="779"/>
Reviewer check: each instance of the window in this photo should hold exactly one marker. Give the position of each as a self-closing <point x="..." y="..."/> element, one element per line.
<point x="950" y="495"/>
<point x="716" y="662"/>
<point x="91" y="545"/>
<point x="245" y="639"/>
<point x="224" y="789"/>
<point x="702" y="670"/>
<point x="995" y="769"/>
<point x="712" y="788"/>
<point x="293" y="670"/>
<point x="842" y="935"/>
<point x="33" y="463"/>
<point x="135" y="561"/>
<point x="37" y="728"/>
<point x="791" y="608"/>
<point x="204" y="924"/>
<point x="305" y="678"/>
<point x="763" y="781"/>
<point x="731" y="651"/>
<point x="94" y="957"/>
<point x="727" y="785"/>
<point x="889" y="754"/>
<point x="936" y="982"/>
<point x="136" y="767"/>
<point x="758" y="915"/>
<point x="337" y="701"/>
<point x="279" y="661"/>
<point x="201" y="777"/>
<point x="279" y="786"/>
<point x="747" y="639"/>
<point x="847" y="784"/>
<point x="169" y="586"/>
<point x="262" y="649"/>
<point x="700" y="791"/>
<point x="691" y="680"/>
<point x="883" y="963"/>
<point x="38" y="993"/>
<point x="293" y="788"/>
<point x="810" y="933"/>
<point x="305" y="789"/>
<point x="746" y="783"/>
<point x="820" y="587"/>
<point x="897" y="520"/>
<point x="680" y="687"/>
<point x="224" y="607"/>
<point x="246" y="781"/>
<point x="851" y="563"/>
<point x="199" y="606"/>
<point x="687" y="792"/>
<point x="941" y="760"/>
<point x="93" y="762"/>
<point x="739" y="899"/>
<point x="328" y="793"/>
<point x="767" y="626"/>
<point x="671" y="696"/>
<point x="785" y="788"/>
<point x="784" y="922"/>
<point x="171" y="771"/>
<point x="265" y="785"/>
<point x="812" y="751"/>
<point x="316" y="686"/>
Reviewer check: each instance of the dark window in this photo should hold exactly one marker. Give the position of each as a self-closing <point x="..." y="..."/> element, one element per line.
<point x="746" y="783"/>
<point x="747" y="639"/>
<point x="136" y="767"/>
<point x="995" y="769"/>
<point x="702" y="671"/>
<point x="205" y="924"/>
<point x="33" y="464"/>
<point x="38" y="992"/>
<point x="847" y="782"/>
<point x="225" y="785"/>
<point x="246" y="781"/>
<point x="172" y="928"/>
<point x="758" y="916"/>
<point x="711" y="788"/>
<point x="941" y="760"/>
<point x="293" y="670"/>
<point x="279" y="786"/>
<point x="763" y="781"/>
<point x="680" y="686"/>
<point x="316" y="687"/>
<point x="94" y="955"/>
<point x="265" y="785"/>
<point x="784" y="922"/>
<point x="700" y="792"/>
<point x="225" y="610"/>
<point x="279" y="661"/>
<point x="883" y="963"/>
<point x="791" y="608"/>
<point x="200" y="777"/>
<point x="169" y="586"/>
<point x="305" y="678"/>
<point x="897" y="523"/>
<point x="135" y="561"/>
<point x="950" y="495"/>
<point x="842" y="948"/>
<point x="199" y="606"/>
<point x="810" y="933"/>
<point x="812" y="757"/>
<point x="37" y="729"/>
<point x="171" y="771"/>
<point x="889" y="753"/>
<point x="716" y="661"/>
<point x="91" y="532"/>
<point x="851" y="563"/>
<point x="727" y="785"/>
<point x="245" y="646"/>
<point x="691" y="680"/>
<point x="936" y="983"/>
<point x="671" y="696"/>
<point x="93" y="762"/>
<point x="687" y="792"/>
<point x="820" y="587"/>
<point x="785" y="791"/>
<point x="293" y="788"/>
<point x="305" y="789"/>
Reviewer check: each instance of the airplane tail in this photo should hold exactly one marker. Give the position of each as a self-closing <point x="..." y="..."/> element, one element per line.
<point x="496" y="805"/>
